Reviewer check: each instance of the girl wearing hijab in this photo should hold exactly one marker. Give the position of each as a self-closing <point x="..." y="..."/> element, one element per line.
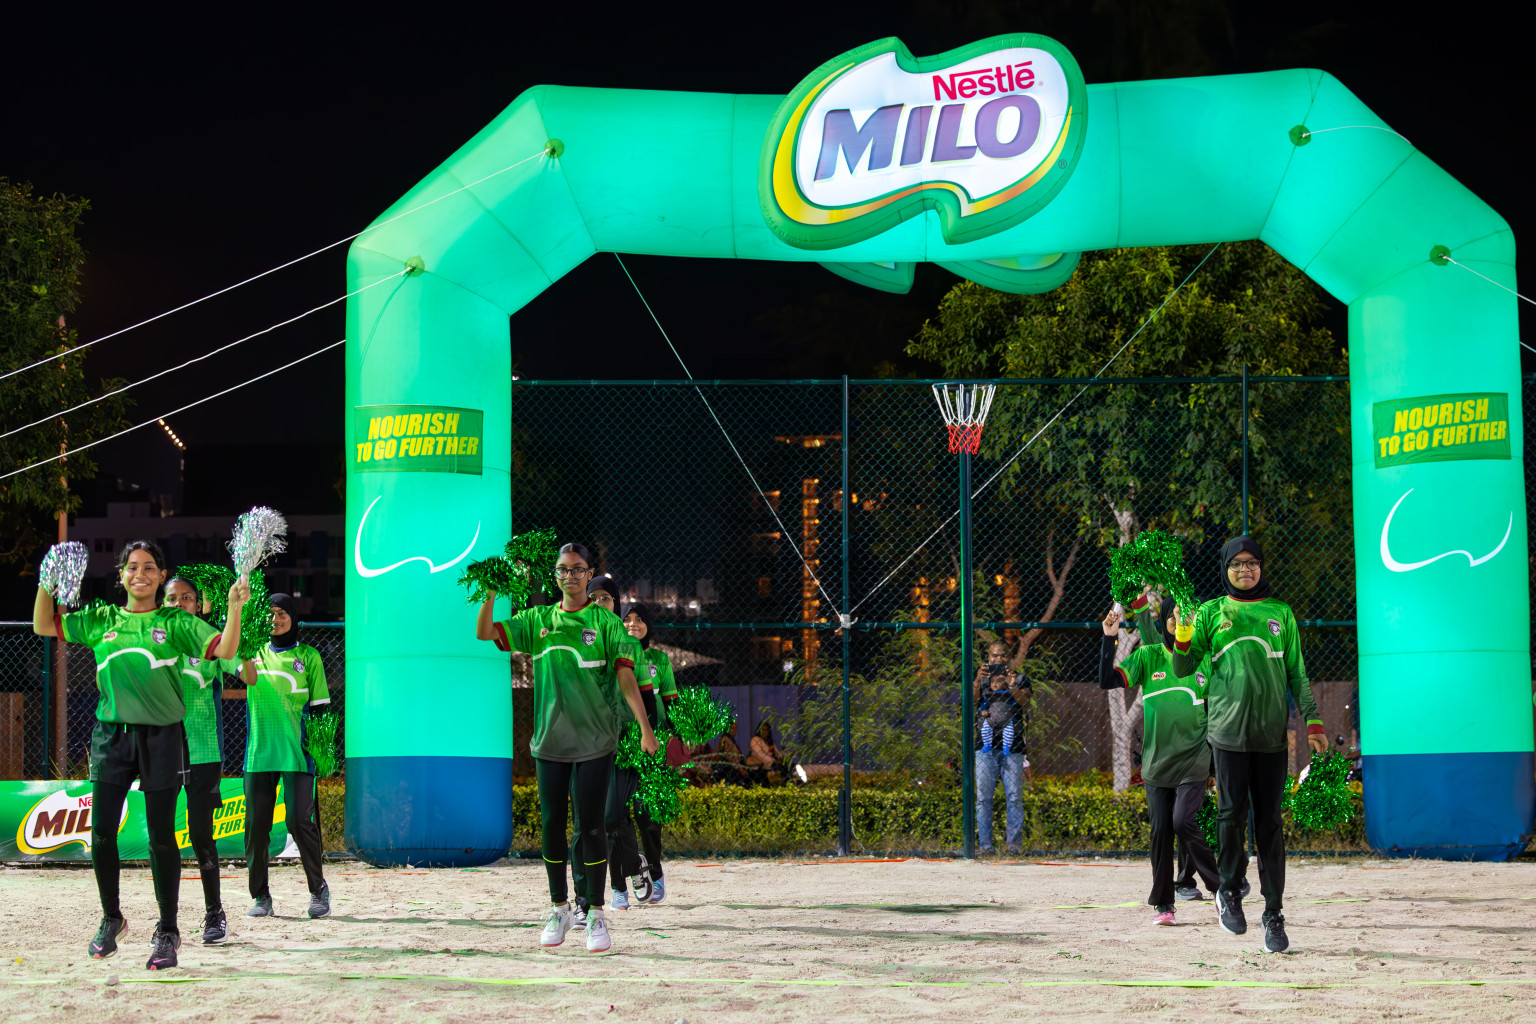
<point x="1254" y="647"/>
<point x="582" y="662"/>
<point x="1175" y="759"/>
<point x="284" y="684"/>
<point x="202" y="689"/>
<point x="138" y="734"/>
<point x="658" y="688"/>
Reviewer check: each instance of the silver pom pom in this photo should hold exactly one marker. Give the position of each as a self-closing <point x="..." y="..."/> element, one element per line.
<point x="259" y="534"/>
<point x="63" y="570"/>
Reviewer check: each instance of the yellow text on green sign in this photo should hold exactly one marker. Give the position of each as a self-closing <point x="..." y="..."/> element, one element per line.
<point x="417" y="439"/>
<point x="1441" y="428"/>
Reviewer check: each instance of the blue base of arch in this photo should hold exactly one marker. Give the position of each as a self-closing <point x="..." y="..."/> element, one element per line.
<point x="1450" y="806"/>
<point x="447" y="812"/>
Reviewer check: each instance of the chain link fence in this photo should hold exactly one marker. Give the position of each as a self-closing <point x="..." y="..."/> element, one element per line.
<point x="734" y="527"/>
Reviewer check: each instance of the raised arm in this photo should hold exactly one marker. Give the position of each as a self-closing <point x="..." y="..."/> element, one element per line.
<point x="631" y="691"/>
<point x="1109" y="679"/>
<point x="229" y="641"/>
<point x="1188" y="646"/>
<point x="485" y="622"/>
<point x="44" y="614"/>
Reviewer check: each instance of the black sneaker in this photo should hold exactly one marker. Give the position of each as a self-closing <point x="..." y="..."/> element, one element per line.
<point x="1244" y="889"/>
<point x="105" y="942"/>
<point x="215" y="927"/>
<point x="261" y="908"/>
<point x="163" y="954"/>
<point x="1230" y="908"/>
<point x="1275" y="939"/>
<point x="1185" y="893"/>
<point x="320" y="902"/>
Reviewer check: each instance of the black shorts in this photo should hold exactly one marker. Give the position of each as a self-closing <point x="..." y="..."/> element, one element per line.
<point x="156" y="755"/>
<point x="204" y="784"/>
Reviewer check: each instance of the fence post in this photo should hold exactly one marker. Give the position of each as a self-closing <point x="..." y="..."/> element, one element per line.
<point x="967" y="698"/>
<point x="845" y="806"/>
<point x="1245" y="449"/>
<point x="48" y="707"/>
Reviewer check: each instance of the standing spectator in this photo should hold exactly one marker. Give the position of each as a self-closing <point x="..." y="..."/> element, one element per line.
<point x="1001" y="699"/>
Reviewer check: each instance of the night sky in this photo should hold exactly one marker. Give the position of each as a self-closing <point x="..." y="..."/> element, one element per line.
<point x="213" y="150"/>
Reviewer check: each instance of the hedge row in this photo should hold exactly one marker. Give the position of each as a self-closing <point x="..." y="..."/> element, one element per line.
<point x="1058" y="815"/>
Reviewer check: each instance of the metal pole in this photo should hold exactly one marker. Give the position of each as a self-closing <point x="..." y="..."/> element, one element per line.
<point x="1245" y="449"/>
<point x="967" y="669"/>
<point x="48" y="707"/>
<point x="845" y="808"/>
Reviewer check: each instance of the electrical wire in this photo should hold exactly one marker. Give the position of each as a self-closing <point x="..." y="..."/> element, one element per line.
<point x="198" y="359"/>
<point x="1059" y="413"/>
<point x="1342" y="127"/>
<point x="710" y="409"/>
<point x="51" y="460"/>
<point x="1496" y="284"/>
<point x="545" y="152"/>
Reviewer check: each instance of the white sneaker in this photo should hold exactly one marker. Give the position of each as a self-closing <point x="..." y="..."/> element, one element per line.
<point x="556" y="925"/>
<point x="597" y="931"/>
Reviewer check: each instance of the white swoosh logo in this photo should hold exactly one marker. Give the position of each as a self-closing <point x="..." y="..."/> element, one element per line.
<point x="1175" y="689"/>
<point x="1396" y="566"/>
<point x="154" y="662"/>
<point x="363" y="570"/>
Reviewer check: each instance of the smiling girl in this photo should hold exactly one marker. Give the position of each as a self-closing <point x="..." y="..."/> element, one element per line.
<point x="138" y="732"/>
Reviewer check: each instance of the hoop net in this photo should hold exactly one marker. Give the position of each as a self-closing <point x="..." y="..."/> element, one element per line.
<point x="964" y="408"/>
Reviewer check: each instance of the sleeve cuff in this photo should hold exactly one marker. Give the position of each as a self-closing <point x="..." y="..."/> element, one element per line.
<point x="58" y="625"/>
<point x="213" y="644"/>
<point x="671" y="698"/>
<point x="1316" y="729"/>
<point x="500" y="639"/>
<point x="1125" y="680"/>
<point x="317" y="703"/>
<point x="646" y="688"/>
<point x="619" y="663"/>
<point x="1140" y="603"/>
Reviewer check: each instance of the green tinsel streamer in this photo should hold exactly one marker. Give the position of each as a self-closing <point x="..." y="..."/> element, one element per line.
<point x="661" y="785"/>
<point x="1206" y="818"/>
<point x="526" y="565"/>
<point x="320" y="735"/>
<point x="697" y="717"/>
<point x="213" y="583"/>
<point x="1155" y="558"/>
<point x="1323" y="801"/>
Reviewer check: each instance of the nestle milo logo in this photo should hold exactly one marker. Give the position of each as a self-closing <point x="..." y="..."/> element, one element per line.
<point x="58" y="819"/>
<point x="985" y="135"/>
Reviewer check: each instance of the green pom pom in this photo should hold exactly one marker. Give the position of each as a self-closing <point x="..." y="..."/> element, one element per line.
<point x="1155" y="558"/>
<point x="526" y="565"/>
<point x="661" y="785"/>
<point x="697" y="717"/>
<point x="1206" y="817"/>
<point x="320" y="733"/>
<point x="213" y="583"/>
<point x="1323" y="801"/>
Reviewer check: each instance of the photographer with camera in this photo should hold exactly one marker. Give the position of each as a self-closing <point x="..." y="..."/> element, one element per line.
<point x="1002" y="699"/>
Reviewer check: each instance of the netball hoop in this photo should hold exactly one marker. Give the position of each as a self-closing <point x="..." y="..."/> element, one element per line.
<point x="964" y="408"/>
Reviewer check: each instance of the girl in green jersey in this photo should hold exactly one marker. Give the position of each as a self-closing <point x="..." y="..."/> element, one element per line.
<point x="138" y="732"/>
<point x="582" y="661"/>
<point x="1254" y="647"/>
<point x="202" y="687"/>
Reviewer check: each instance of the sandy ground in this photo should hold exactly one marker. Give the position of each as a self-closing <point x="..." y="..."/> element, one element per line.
<point x="789" y="942"/>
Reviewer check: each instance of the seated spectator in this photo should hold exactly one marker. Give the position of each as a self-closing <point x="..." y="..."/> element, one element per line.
<point x="763" y="763"/>
<point x="727" y="765"/>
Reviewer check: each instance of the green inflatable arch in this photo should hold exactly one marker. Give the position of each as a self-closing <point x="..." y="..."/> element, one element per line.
<point x="1439" y="500"/>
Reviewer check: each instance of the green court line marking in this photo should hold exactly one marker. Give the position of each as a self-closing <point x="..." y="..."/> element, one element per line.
<point x="1098" y="906"/>
<point x="649" y="931"/>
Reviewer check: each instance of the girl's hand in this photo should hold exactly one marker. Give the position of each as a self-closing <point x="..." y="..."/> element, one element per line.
<point x="1318" y="742"/>
<point x="649" y="743"/>
<point x="239" y="594"/>
<point x="1111" y="623"/>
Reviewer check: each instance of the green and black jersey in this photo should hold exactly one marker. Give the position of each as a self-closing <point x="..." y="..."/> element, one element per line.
<point x="202" y="690"/>
<point x="1173" y="747"/>
<point x="654" y="674"/>
<point x="1254" y="649"/>
<point x="138" y="659"/>
<point x="288" y="683"/>
<point x="577" y="707"/>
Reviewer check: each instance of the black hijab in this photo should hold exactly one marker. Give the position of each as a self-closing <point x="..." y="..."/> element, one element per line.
<point x="606" y="583"/>
<point x="644" y="612"/>
<point x="290" y="638"/>
<point x="1230" y="550"/>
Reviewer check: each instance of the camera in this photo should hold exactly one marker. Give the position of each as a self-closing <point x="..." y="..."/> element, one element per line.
<point x="996" y="669"/>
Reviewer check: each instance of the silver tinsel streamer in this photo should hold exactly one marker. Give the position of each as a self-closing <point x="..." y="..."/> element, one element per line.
<point x="63" y="570"/>
<point x="259" y="534"/>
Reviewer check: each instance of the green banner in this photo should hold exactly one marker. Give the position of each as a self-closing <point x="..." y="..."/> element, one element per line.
<point x="44" y="821"/>
<point x="1441" y="428"/>
<point x="417" y="439"/>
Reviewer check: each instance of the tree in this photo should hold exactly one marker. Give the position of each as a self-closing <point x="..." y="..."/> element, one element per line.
<point x="1124" y="457"/>
<point x="40" y="268"/>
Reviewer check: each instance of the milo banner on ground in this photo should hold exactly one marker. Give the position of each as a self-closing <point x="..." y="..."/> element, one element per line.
<point x="43" y="821"/>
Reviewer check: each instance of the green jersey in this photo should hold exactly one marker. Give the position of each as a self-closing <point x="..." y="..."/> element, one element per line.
<point x="1173" y="747"/>
<point x="138" y="659"/>
<point x="288" y="683"/>
<point x="654" y="672"/>
<point x="577" y="708"/>
<point x="1255" y="654"/>
<point x="202" y="690"/>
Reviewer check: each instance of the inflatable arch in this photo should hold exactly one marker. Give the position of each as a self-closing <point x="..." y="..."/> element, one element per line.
<point x="1435" y="434"/>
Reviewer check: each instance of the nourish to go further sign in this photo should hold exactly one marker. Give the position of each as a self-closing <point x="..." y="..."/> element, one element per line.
<point x="986" y="135"/>
<point x="416" y="439"/>
<point x="1441" y="428"/>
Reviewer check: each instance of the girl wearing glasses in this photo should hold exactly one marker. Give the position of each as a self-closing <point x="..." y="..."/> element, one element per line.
<point x="1254" y="648"/>
<point x="582" y="661"/>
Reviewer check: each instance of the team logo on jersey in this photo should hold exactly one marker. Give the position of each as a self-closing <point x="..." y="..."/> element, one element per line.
<point x="1226" y="624"/>
<point x="654" y="673"/>
<point x="298" y="664"/>
<point x="543" y="633"/>
<point x="1274" y="627"/>
<point x="589" y="637"/>
<point x="158" y="634"/>
<point x="1200" y="678"/>
<point x="1159" y="675"/>
<point x="110" y="636"/>
<point x="194" y="662"/>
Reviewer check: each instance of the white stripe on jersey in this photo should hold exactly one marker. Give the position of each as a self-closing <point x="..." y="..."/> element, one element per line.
<point x="560" y="647"/>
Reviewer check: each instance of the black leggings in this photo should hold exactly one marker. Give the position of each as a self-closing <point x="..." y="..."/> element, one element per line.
<point x="590" y="780"/>
<point x="107" y="800"/>
<point x="1173" y="811"/>
<point x="203" y="798"/>
<point x="1247" y="780"/>
<point x="299" y="819"/>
